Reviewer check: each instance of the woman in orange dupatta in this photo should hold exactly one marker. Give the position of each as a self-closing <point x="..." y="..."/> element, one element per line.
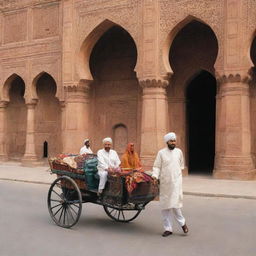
<point x="130" y="159"/>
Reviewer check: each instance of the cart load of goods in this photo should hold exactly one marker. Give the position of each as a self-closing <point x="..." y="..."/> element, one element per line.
<point x="82" y="168"/>
<point x="123" y="186"/>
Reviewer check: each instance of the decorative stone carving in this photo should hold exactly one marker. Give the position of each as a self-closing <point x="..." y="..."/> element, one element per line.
<point x="123" y="13"/>
<point x="79" y="92"/>
<point x="251" y="17"/>
<point x="6" y="5"/>
<point x="209" y="12"/>
<point x="154" y="83"/>
<point x="82" y="86"/>
<point x="3" y="104"/>
<point x="233" y="78"/>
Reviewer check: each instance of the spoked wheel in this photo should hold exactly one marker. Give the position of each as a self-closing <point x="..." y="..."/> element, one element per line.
<point x="64" y="202"/>
<point x="121" y="215"/>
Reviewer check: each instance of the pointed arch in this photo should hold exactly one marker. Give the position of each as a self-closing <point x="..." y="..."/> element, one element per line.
<point x="171" y="36"/>
<point x="7" y="85"/>
<point x="253" y="49"/>
<point x="35" y="82"/>
<point x="196" y="74"/>
<point x="83" y="67"/>
<point x="47" y="115"/>
<point x="16" y="116"/>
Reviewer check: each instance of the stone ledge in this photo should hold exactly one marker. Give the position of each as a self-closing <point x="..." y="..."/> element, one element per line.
<point x="235" y="175"/>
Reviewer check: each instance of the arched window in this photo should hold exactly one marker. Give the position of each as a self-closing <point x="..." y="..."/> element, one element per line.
<point x="120" y="138"/>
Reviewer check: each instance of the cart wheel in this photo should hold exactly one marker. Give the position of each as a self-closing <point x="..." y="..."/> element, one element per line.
<point x="64" y="202"/>
<point x="121" y="215"/>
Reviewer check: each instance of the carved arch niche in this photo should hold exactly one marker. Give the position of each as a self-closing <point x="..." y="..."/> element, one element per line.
<point x="253" y="94"/>
<point x="192" y="52"/>
<point x="47" y="116"/>
<point x="120" y="138"/>
<point x="16" y="116"/>
<point x="84" y="55"/>
<point x="115" y="90"/>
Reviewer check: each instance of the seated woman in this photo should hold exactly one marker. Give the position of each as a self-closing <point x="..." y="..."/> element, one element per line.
<point x="130" y="159"/>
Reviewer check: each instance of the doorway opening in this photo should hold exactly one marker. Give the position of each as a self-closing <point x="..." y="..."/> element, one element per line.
<point x="201" y="110"/>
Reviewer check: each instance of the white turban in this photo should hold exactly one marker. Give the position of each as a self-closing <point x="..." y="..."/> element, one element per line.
<point x="86" y="140"/>
<point x="169" y="136"/>
<point x="107" y="140"/>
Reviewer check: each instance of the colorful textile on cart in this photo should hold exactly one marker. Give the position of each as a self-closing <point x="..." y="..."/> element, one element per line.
<point x="134" y="178"/>
<point x="70" y="162"/>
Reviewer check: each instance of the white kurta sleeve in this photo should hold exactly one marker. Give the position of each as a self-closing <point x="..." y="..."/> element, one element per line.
<point x="102" y="165"/>
<point x="117" y="161"/>
<point x="157" y="166"/>
<point x="182" y="161"/>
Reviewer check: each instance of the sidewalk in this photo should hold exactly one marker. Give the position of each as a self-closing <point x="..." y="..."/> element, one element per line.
<point x="192" y="184"/>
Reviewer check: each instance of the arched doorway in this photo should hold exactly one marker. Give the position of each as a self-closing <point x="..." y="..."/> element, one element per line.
<point x="193" y="49"/>
<point x="253" y="51"/>
<point x="16" y="118"/>
<point x="253" y="96"/>
<point x="115" y="90"/>
<point x="47" y="118"/>
<point x="200" y="109"/>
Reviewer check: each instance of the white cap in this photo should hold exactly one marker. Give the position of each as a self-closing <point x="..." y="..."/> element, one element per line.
<point x="169" y="136"/>
<point x="86" y="140"/>
<point x="108" y="139"/>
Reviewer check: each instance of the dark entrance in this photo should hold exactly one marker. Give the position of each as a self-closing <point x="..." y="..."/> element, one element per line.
<point x="201" y="103"/>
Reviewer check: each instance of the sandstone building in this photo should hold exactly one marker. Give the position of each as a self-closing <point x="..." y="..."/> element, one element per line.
<point x="132" y="70"/>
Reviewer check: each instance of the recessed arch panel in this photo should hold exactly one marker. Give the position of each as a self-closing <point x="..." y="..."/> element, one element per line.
<point x="84" y="55"/>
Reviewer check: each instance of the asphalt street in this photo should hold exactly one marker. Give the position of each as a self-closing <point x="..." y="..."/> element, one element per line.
<point x="218" y="226"/>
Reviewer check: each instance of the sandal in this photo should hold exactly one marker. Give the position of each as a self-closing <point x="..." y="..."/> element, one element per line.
<point x="185" y="228"/>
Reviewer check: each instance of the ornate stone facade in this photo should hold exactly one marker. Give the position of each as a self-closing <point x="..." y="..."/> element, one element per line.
<point x="132" y="70"/>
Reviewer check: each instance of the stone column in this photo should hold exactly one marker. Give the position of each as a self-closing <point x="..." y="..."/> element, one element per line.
<point x="154" y="120"/>
<point x="233" y="158"/>
<point x="178" y="124"/>
<point x="76" y="123"/>
<point x="63" y="123"/>
<point x="3" y="150"/>
<point x="30" y="157"/>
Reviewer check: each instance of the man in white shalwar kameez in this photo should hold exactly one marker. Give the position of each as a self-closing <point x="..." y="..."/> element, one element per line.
<point x="86" y="148"/>
<point x="108" y="161"/>
<point x="168" y="167"/>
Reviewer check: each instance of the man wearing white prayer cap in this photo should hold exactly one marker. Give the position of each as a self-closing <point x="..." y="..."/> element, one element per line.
<point x="86" y="148"/>
<point x="168" y="167"/>
<point x="108" y="160"/>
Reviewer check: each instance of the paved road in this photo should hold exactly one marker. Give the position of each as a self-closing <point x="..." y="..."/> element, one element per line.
<point x="218" y="226"/>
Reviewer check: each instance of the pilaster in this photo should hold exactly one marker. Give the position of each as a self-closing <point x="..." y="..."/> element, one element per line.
<point x="154" y="122"/>
<point x="76" y="116"/>
<point x="30" y="157"/>
<point x="3" y="150"/>
<point x="67" y="42"/>
<point x="233" y="158"/>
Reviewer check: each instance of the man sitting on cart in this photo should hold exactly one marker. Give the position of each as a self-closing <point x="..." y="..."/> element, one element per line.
<point x="86" y="148"/>
<point x="108" y="162"/>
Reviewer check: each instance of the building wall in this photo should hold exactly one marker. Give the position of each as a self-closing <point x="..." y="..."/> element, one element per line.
<point x="59" y="38"/>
